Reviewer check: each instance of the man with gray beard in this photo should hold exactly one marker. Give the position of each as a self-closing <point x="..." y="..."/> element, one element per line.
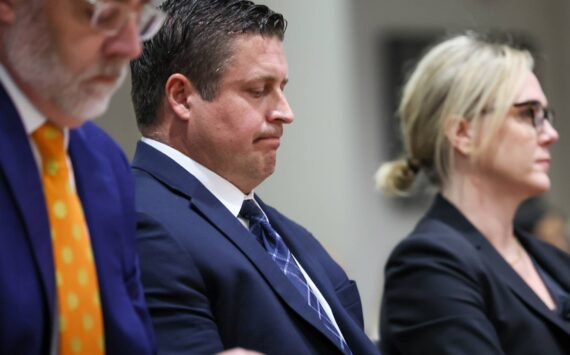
<point x="69" y="276"/>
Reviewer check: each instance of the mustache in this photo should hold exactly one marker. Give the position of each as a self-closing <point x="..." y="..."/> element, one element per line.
<point x="117" y="68"/>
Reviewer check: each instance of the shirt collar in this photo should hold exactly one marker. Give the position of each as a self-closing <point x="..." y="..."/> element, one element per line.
<point x="227" y="193"/>
<point x="30" y="116"/>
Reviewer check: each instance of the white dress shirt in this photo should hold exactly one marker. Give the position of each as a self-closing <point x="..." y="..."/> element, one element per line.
<point x="31" y="118"/>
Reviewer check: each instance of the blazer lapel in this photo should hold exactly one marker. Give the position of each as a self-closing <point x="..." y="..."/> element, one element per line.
<point x="556" y="264"/>
<point x="315" y="272"/>
<point x="99" y="195"/>
<point x="518" y="286"/>
<point x="205" y="204"/>
<point x="18" y="165"/>
<point x="450" y="215"/>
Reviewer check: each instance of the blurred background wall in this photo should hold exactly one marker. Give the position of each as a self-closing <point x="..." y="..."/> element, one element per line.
<point x="338" y="71"/>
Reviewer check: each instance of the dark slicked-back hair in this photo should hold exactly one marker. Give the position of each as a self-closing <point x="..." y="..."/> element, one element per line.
<point x="196" y="41"/>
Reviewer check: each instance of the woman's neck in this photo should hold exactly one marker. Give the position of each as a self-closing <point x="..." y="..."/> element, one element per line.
<point x="488" y="207"/>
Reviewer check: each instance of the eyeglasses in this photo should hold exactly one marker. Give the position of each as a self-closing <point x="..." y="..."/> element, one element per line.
<point x="109" y="17"/>
<point x="535" y="112"/>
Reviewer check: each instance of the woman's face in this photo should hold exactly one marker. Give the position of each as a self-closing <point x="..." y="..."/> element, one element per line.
<point x="519" y="158"/>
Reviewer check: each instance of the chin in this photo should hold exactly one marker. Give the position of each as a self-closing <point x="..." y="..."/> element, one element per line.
<point x="268" y="171"/>
<point x="269" y="163"/>
<point x="85" y="100"/>
<point x="85" y="107"/>
<point x="539" y="187"/>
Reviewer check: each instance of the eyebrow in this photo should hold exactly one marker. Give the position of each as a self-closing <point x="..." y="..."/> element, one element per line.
<point x="129" y="2"/>
<point x="528" y="103"/>
<point x="137" y="2"/>
<point x="266" y="78"/>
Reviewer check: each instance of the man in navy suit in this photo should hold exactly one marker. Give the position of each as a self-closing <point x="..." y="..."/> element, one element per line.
<point x="60" y="62"/>
<point x="208" y="92"/>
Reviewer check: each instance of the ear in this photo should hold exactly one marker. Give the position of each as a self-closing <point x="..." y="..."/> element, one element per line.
<point x="460" y="134"/>
<point x="179" y="93"/>
<point x="6" y="12"/>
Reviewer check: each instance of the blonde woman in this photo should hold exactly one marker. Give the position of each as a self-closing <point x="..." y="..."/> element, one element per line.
<point x="476" y="121"/>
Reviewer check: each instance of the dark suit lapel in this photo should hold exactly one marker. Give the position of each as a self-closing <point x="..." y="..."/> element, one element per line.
<point x="86" y="170"/>
<point x="495" y="261"/>
<point x="518" y="286"/>
<point x="556" y="264"/>
<point x="313" y="269"/>
<point x="552" y="260"/>
<point x="204" y="203"/>
<point x="98" y="191"/>
<point x="18" y="165"/>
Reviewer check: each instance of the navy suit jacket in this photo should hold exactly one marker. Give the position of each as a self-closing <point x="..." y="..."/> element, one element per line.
<point x="448" y="291"/>
<point x="27" y="283"/>
<point x="210" y="285"/>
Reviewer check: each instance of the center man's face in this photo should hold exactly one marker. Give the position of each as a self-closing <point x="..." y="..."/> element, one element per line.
<point x="56" y="55"/>
<point x="238" y="133"/>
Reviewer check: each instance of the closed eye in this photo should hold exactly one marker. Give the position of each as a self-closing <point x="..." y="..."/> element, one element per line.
<point x="257" y="93"/>
<point x="527" y="113"/>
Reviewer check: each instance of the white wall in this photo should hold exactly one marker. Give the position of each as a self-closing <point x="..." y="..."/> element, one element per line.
<point x="329" y="154"/>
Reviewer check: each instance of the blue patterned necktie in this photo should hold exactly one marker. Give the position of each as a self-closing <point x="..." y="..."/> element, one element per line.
<point x="280" y="253"/>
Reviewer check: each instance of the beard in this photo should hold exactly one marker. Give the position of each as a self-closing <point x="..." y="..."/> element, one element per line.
<point x="33" y="57"/>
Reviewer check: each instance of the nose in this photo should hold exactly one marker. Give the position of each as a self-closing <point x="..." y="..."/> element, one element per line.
<point x="282" y="111"/>
<point x="548" y="135"/>
<point x="126" y="44"/>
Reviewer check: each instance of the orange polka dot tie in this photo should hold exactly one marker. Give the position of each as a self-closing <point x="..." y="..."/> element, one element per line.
<point x="79" y="309"/>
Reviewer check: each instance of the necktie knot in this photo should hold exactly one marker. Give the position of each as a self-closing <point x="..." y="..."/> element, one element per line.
<point x="251" y="211"/>
<point x="50" y="144"/>
<point x="49" y="141"/>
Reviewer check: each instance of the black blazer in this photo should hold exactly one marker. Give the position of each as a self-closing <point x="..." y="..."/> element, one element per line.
<point x="448" y="291"/>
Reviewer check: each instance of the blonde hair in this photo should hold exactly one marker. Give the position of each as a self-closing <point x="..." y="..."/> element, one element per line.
<point x="464" y="77"/>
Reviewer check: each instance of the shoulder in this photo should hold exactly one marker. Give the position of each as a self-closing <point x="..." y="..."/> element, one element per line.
<point x="101" y="145"/>
<point x="291" y="228"/>
<point x="438" y="254"/>
<point x="435" y="238"/>
<point x="436" y="267"/>
<point x="442" y="230"/>
<point x="144" y="180"/>
<point x="93" y="134"/>
<point x="94" y="151"/>
<point x="156" y="197"/>
<point x="275" y="215"/>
